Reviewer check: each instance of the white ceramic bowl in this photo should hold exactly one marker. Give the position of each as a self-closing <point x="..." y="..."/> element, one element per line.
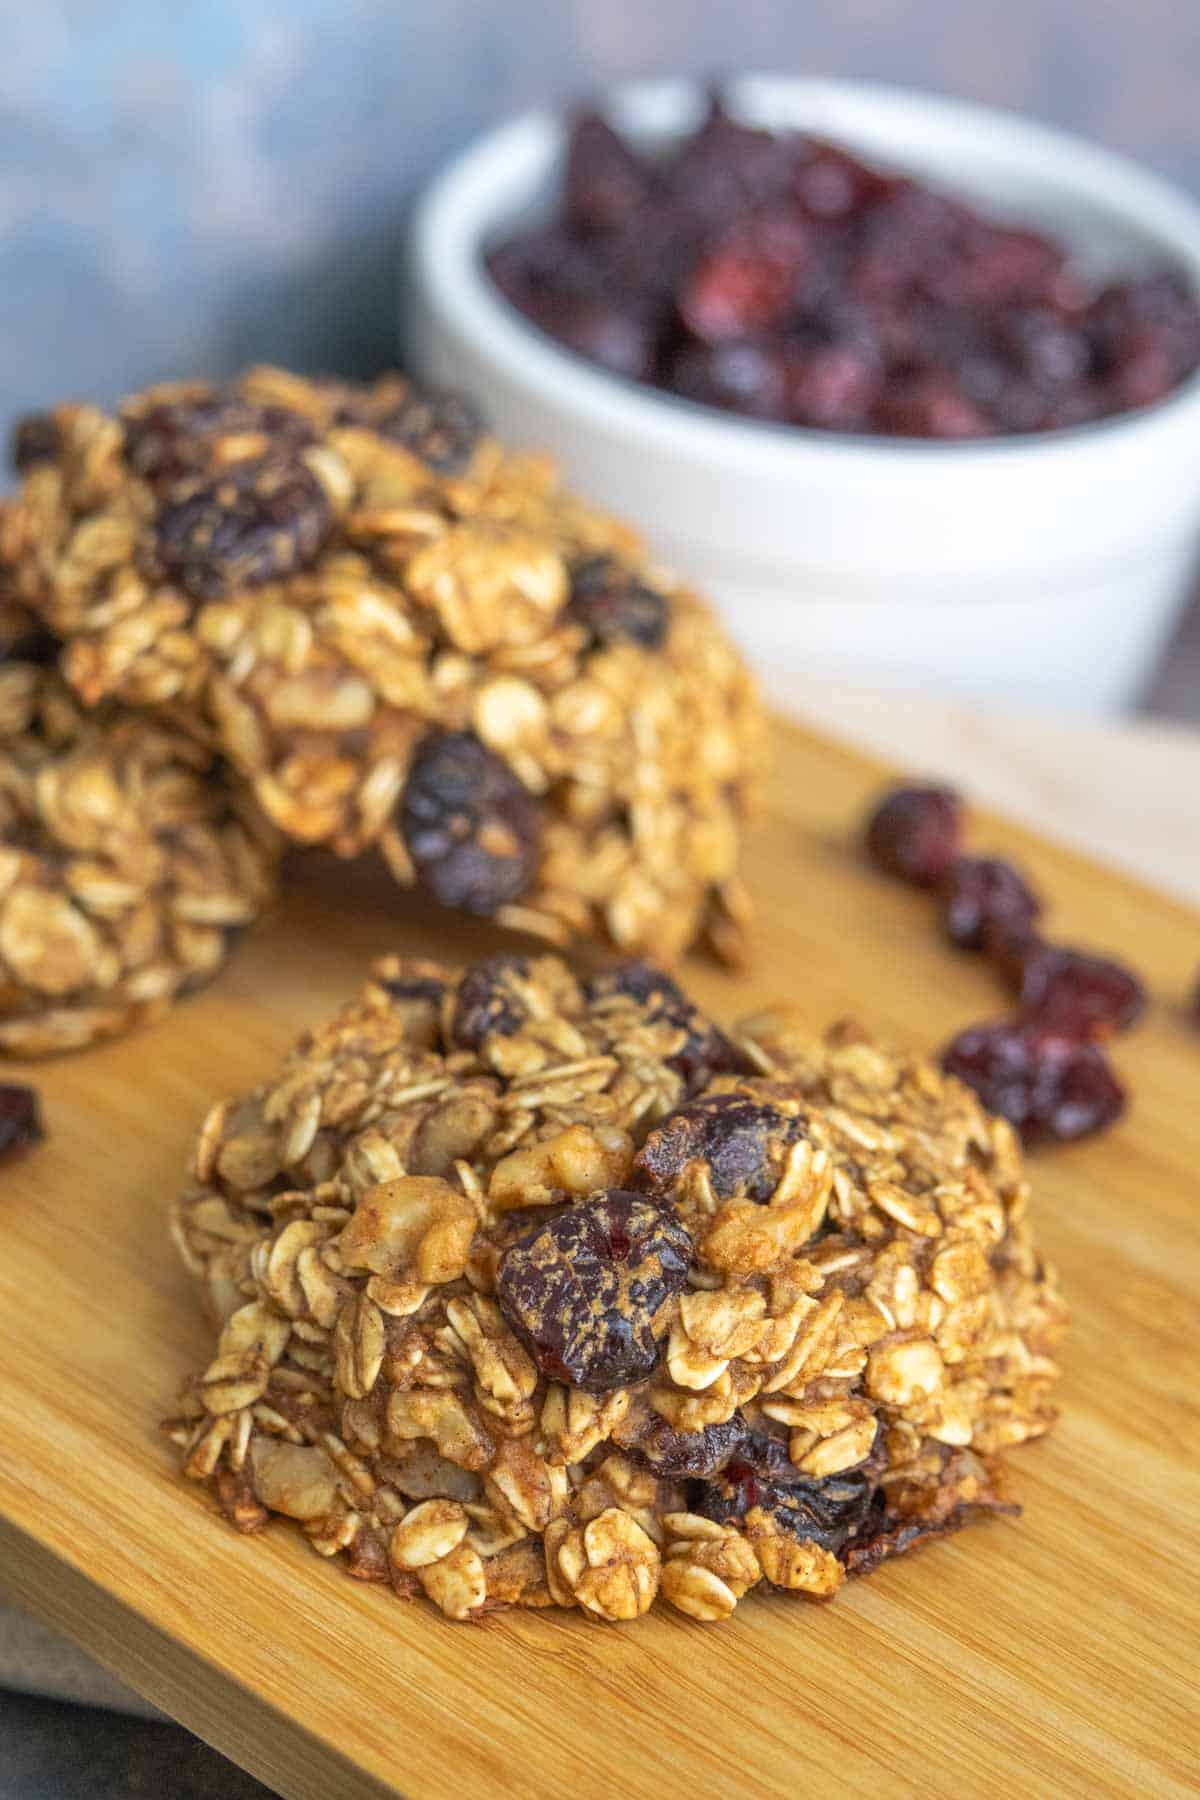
<point x="1043" y="570"/>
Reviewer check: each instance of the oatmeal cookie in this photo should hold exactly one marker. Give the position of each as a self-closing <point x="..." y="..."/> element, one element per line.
<point x="402" y="634"/>
<point x="126" y="864"/>
<point x="537" y="1293"/>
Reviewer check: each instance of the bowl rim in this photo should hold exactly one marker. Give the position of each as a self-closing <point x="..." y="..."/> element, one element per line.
<point x="458" y="213"/>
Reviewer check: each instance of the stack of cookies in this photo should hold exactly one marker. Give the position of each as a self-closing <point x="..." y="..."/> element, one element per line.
<point x="526" y="1289"/>
<point x="299" y="612"/>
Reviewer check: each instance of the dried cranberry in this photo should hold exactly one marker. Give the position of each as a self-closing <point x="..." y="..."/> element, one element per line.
<point x="985" y="898"/>
<point x="175" y="438"/>
<point x="930" y="406"/>
<point x="829" y="1511"/>
<point x="582" y="1290"/>
<point x="679" y="1454"/>
<point x="913" y="832"/>
<point x="1077" y="994"/>
<point x="705" y="1051"/>
<point x="442" y="429"/>
<point x="469" y="825"/>
<point x="255" y="522"/>
<point x="832" y="184"/>
<point x="489" y="1001"/>
<point x="20" y="1117"/>
<point x="605" y="183"/>
<point x="743" y="1144"/>
<point x="740" y="376"/>
<point x="740" y="238"/>
<point x="728" y="167"/>
<point x="35" y="439"/>
<point x="746" y="281"/>
<point x="1046" y="1085"/>
<point x="611" y="603"/>
<point x="832" y="388"/>
<point x="1142" y="332"/>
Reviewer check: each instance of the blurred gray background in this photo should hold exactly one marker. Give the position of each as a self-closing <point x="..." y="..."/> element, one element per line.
<point x="187" y="185"/>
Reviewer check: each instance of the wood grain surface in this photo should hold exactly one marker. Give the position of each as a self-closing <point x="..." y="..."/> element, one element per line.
<point x="1053" y="1656"/>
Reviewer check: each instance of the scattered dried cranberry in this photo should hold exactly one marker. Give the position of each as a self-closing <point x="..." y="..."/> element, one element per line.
<point x="582" y="1290"/>
<point x="35" y="439"/>
<point x="610" y="602"/>
<point x="985" y="899"/>
<point x="256" y="521"/>
<point x="470" y="826"/>
<point x="914" y="833"/>
<point x="705" y="1051"/>
<point x="828" y="1512"/>
<point x="781" y="277"/>
<point x="743" y="1144"/>
<point x="1076" y="994"/>
<point x="176" y="438"/>
<point x="1045" y="1084"/>
<point x="20" y="1117"/>
<point x="442" y="429"/>
<point x="679" y="1454"/>
<point x="489" y="1002"/>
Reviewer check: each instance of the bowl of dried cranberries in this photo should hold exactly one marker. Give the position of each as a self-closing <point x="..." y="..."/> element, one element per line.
<point x="909" y="385"/>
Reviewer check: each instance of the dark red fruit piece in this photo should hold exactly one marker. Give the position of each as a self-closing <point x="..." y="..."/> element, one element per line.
<point x="254" y="522"/>
<point x="605" y="183"/>
<point x="610" y="602"/>
<point x="176" y="438"/>
<point x="489" y="1002"/>
<point x="679" y="1454"/>
<point x="1077" y="994"/>
<point x="728" y="167"/>
<point x="582" y="1290"/>
<point x="470" y="827"/>
<point x="931" y="405"/>
<point x="829" y="1512"/>
<point x="20" y="1117"/>
<point x="914" y="833"/>
<point x="742" y="377"/>
<point x="1046" y="1085"/>
<point x="832" y="184"/>
<point x="985" y="899"/>
<point x="832" y="388"/>
<point x="705" y="1051"/>
<point x="998" y="266"/>
<point x="35" y="439"/>
<point x="742" y="1142"/>
<point x="741" y="239"/>
<point x="746" y="281"/>
<point x="442" y="429"/>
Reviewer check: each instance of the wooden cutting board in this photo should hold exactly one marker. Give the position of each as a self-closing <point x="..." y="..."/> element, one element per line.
<point x="1054" y="1656"/>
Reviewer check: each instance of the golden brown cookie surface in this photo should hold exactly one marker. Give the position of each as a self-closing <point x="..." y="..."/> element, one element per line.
<point x="127" y="865"/>
<point x="401" y="634"/>
<point x="536" y="1292"/>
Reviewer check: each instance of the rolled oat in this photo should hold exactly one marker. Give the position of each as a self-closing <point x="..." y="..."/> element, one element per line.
<point x="766" y="1323"/>
<point x="403" y="635"/>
